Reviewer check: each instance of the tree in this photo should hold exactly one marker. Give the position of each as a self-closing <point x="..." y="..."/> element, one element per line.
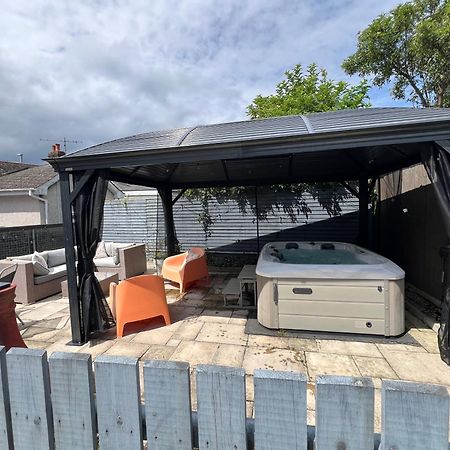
<point x="299" y="93"/>
<point x="309" y="92"/>
<point x="410" y="47"/>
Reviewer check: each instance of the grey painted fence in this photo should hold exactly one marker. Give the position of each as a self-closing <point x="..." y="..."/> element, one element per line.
<point x="140" y="219"/>
<point x="52" y="405"/>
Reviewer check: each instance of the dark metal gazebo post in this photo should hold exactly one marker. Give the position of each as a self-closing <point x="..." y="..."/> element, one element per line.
<point x="363" y="197"/>
<point x="78" y="335"/>
<point x="167" y="203"/>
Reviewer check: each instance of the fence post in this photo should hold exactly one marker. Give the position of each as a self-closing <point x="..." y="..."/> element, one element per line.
<point x="168" y="405"/>
<point x="280" y="410"/>
<point x="72" y="401"/>
<point x="6" y="439"/>
<point x="29" y="394"/>
<point x="118" y="403"/>
<point x="221" y="408"/>
<point x="414" y="416"/>
<point x="344" y="413"/>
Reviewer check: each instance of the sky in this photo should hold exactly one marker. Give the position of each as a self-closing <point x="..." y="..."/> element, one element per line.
<point x="96" y="70"/>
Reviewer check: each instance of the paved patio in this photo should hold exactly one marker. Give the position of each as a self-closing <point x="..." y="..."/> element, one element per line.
<point x="203" y="332"/>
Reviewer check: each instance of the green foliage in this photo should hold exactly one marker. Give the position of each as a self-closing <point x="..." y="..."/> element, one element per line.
<point x="299" y="93"/>
<point x="309" y="92"/>
<point x="410" y="47"/>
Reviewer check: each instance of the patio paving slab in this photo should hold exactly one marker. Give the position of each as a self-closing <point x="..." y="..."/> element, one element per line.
<point x="330" y="364"/>
<point x="158" y="336"/>
<point x="419" y="367"/>
<point x="158" y="352"/>
<point x="195" y="352"/>
<point x="386" y="348"/>
<point x="42" y="334"/>
<point x="229" y="355"/>
<point x="274" y="359"/>
<point x="215" y="315"/>
<point x="427" y="339"/>
<point x="130" y="349"/>
<point x="188" y="331"/>
<point x="64" y="345"/>
<point x="349" y="348"/>
<point x="222" y="334"/>
<point x="97" y="347"/>
<point x="374" y="367"/>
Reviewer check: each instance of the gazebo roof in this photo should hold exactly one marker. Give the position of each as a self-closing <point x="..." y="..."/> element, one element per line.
<point x="328" y="146"/>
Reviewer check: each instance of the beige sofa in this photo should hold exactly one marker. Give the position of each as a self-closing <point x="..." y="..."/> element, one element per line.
<point x="126" y="260"/>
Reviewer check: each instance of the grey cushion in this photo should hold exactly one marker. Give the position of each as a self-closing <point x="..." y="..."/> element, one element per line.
<point x="54" y="273"/>
<point x="105" y="262"/>
<point x="101" y="250"/>
<point x="21" y="258"/>
<point x="108" y="248"/>
<point x="39" y="264"/>
<point x="115" y="248"/>
<point x="56" y="257"/>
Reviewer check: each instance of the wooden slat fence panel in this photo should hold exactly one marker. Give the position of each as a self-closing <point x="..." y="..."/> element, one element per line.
<point x="118" y="403"/>
<point x="71" y="382"/>
<point x="6" y="441"/>
<point x="51" y="407"/>
<point x="344" y="413"/>
<point x="29" y="395"/>
<point x="221" y="408"/>
<point x="414" y="416"/>
<point x="168" y="405"/>
<point x="280" y="410"/>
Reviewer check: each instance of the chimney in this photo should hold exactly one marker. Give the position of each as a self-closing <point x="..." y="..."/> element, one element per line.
<point x="56" y="151"/>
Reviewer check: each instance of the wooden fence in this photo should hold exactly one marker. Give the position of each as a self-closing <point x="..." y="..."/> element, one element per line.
<point x="51" y="405"/>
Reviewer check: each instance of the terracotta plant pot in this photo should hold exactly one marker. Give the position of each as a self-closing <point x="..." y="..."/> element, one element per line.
<point x="9" y="331"/>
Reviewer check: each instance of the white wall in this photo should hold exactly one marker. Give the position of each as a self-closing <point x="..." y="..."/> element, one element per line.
<point x="17" y="210"/>
<point x="54" y="204"/>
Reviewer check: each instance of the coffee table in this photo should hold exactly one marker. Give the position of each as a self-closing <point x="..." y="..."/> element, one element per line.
<point x="105" y="278"/>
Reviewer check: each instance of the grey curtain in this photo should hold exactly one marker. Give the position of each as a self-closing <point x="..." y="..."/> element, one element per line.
<point x="96" y="314"/>
<point x="436" y="160"/>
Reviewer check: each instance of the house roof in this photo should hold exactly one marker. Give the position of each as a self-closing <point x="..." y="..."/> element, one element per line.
<point x="328" y="146"/>
<point x="28" y="178"/>
<point x="10" y="166"/>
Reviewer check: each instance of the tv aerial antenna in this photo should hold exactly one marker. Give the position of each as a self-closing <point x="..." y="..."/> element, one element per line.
<point x="64" y="141"/>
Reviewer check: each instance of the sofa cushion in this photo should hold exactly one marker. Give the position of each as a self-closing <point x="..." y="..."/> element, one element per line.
<point x="109" y="249"/>
<point x="39" y="264"/>
<point x="101" y="250"/>
<point x="56" y="257"/>
<point x="115" y="250"/>
<point x="105" y="262"/>
<point x="21" y="258"/>
<point x="54" y="273"/>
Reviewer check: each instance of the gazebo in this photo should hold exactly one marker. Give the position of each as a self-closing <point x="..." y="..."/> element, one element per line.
<point x="340" y="146"/>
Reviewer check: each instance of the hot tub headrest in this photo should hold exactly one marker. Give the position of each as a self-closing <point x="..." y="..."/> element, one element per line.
<point x="327" y="246"/>
<point x="290" y="245"/>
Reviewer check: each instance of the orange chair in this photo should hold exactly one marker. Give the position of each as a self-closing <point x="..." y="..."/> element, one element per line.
<point x="186" y="267"/>
<point x="138" y="298"/>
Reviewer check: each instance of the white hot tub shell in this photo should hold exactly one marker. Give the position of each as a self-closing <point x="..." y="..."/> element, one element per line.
<point x="329" y="286"/>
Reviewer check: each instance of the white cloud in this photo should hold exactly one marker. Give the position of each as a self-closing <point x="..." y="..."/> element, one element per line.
<point x="93" y="70"/>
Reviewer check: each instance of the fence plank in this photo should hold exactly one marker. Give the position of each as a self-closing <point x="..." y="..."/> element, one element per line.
<point x="221" y="407"/>
<point x="118" y="403"/>
<point x="72" y="400"/>
<point x="168" y="405"/>
<point x="6" y="441"/>
<point x="344" y="413"/>
<point x="29" y="394"/>
<point x="280" y="410"/>
<point x="414" y="416"/>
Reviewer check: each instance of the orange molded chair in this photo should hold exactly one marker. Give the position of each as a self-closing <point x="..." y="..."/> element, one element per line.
<point x="138" y="298"/>
<point x="186" y="267"/>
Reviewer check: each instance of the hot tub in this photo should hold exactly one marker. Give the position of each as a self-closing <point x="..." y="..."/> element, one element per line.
<point x="329" y="286"/>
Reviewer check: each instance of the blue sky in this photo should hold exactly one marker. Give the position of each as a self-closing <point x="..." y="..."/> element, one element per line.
<point x="95" y="70"/>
